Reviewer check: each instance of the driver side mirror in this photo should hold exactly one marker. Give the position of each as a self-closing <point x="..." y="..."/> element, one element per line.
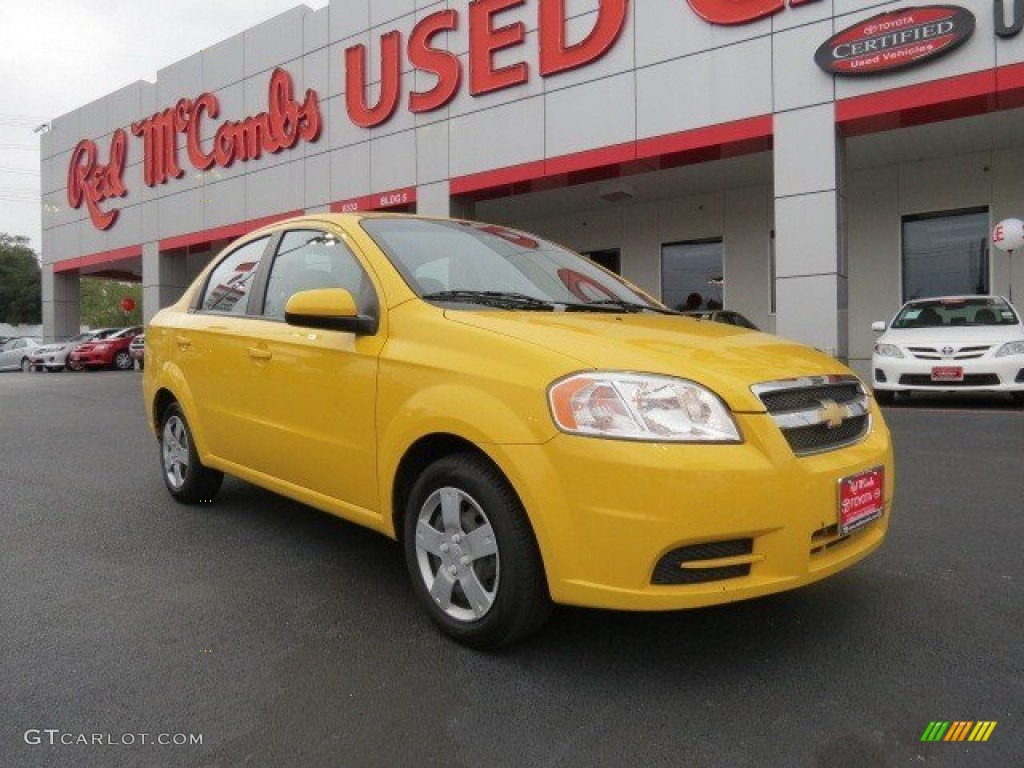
<point x="878" y="326"/>
<point x="332" y="309"/>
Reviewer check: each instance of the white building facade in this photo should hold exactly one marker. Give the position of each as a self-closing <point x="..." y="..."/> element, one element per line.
<point x="811" y="164"/>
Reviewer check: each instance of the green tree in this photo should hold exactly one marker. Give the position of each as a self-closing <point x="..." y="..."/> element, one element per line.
<point x="20" y="282"/>
<point x="101" y="303"/>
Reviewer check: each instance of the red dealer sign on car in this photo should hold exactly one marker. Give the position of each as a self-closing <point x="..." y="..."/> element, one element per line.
<point x="895" y="40"/>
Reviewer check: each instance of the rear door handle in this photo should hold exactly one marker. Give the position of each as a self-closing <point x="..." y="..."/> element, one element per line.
<point x="260" y="354"/>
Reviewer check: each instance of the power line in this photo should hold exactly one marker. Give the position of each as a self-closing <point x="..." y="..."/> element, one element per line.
<point x="19" y="146"/>
<point x="19" y="171"/>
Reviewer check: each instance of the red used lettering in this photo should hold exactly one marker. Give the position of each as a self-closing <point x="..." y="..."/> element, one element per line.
<point x="361" y="113"/>
<point x="739" y="11"/>
<point x="556" y="56"/>
<point x="485" y="40"/>
<point x="442" y="63"/>
<point x="92" y="182"/>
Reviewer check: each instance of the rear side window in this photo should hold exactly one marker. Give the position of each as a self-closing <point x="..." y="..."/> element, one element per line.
<point x="231" y="282"/>
<point x="308" y="259"/>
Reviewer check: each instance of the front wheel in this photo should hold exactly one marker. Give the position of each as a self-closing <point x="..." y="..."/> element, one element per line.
<point x="26" y="366"/>
<point x="184" y="475"/>
<point x="123" y="361"/>
<point x="472" y="555"/>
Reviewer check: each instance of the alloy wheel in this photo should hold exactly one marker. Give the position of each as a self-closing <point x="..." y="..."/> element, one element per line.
<point x="457" y="554"/>
<point x="174" y="448"/>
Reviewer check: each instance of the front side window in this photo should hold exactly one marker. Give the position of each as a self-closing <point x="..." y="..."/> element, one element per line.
<point x="468" y="262"/>
<point x="945" y="254"/>
<point x="231" y="282"/>
<point x="691" y="275"/>
<point x="308" y="259"/>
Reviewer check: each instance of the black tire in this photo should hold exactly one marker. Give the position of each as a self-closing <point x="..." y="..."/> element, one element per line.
<point x="76" y="367"/>
<point x="1018" y="398"/>
<point x="885" y="397"/>
<point x="54" y="368"/>
<point x="192" y="483"/>
<point x="512" y="578"/>
<point x="26" y="366"/>
<point x="123" y="360"/>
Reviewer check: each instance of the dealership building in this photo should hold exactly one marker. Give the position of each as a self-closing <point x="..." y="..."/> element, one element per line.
<point x="811" y="164"/>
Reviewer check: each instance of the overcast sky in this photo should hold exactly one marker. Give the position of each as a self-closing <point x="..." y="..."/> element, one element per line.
<point x="58" y="55"/>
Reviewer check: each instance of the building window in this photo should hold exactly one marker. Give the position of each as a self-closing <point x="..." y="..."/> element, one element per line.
<point x="610" y="259"/>
<point x="691" y="275"/>
<point x="945" y="254"/>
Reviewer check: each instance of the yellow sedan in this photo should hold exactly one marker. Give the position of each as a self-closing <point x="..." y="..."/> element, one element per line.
<point x="532" y="428"/>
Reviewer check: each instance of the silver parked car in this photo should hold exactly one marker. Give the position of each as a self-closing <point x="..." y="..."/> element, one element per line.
<point x="54" y="357"/>
<point x="15" y="353"/>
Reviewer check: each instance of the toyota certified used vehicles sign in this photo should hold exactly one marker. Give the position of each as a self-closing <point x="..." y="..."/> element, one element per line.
<point x="895" y="40"/>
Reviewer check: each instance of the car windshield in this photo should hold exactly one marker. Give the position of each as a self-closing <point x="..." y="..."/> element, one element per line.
<point x="940" y="313"/>
<point x="479" y="264"/>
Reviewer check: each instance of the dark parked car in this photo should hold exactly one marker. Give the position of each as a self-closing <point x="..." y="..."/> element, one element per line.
<point x="728" y="316"/>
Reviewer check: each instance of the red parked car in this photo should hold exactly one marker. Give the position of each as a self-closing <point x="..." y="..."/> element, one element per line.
<point x="111" y="352"/>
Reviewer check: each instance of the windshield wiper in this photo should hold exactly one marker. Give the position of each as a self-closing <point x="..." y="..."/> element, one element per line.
<point x="631" y="306"/>
<point x="502" y="299"/>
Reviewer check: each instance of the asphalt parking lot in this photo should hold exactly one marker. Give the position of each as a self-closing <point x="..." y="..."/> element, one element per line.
<point x="286" y="637"/>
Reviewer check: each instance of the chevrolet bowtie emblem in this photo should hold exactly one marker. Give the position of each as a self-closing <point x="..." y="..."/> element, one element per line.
<point x="831" y="413"/>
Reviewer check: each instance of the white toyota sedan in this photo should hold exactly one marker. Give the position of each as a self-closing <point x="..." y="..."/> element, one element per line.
<point x="950" y="344"/>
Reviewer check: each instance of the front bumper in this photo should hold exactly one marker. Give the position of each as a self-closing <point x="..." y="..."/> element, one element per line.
<point x="49" y="360"/>
<point x="606" y="512"/>
<point x="92" y="359"/>
<point x="984" y="374"/>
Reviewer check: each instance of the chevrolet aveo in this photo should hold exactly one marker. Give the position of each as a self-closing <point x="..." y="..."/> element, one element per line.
<point x="532" y="428"/>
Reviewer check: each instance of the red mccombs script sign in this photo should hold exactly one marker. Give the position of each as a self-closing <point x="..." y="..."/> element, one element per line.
<point x="284" y="123"/>
<point x="895" y="40"/>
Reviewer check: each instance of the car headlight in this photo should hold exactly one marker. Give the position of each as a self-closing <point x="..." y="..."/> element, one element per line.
<point x="1011" y="348"/>
<point x="632" y="406"/>
<point x="887" y="350"/>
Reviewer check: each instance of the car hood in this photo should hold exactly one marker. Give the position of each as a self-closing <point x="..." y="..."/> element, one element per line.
<point x="727" y="359"/>
<point x="953" y="335"/>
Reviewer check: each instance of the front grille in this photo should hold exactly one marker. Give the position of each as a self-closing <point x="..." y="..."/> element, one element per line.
<point x="817" y="414"/>
<point x="969" y="380"/>
<point x="963" y="353"/>
<point x="809" y="397"/>
<point x="669" y="568"/>
<point x="820" y="437"/>
<point x="827" y="538"/>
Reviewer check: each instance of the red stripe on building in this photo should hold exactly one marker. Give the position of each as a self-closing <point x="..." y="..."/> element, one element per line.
<point x="227" y="232"/>
<point x="100" y="257"/>
<point x="699" y="145"/>
<point x="949" y="98"/>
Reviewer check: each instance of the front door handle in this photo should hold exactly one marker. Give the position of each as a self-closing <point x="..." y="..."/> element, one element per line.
<point x="182" y="341"/>
<point x="260" y="354"/>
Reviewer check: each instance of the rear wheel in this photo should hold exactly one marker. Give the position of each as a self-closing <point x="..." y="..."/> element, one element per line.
<point x="123" y="360"/>
<point x="26" y="366"/>
<point x="184" y="475"/>
<point x="472" y="556"/>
